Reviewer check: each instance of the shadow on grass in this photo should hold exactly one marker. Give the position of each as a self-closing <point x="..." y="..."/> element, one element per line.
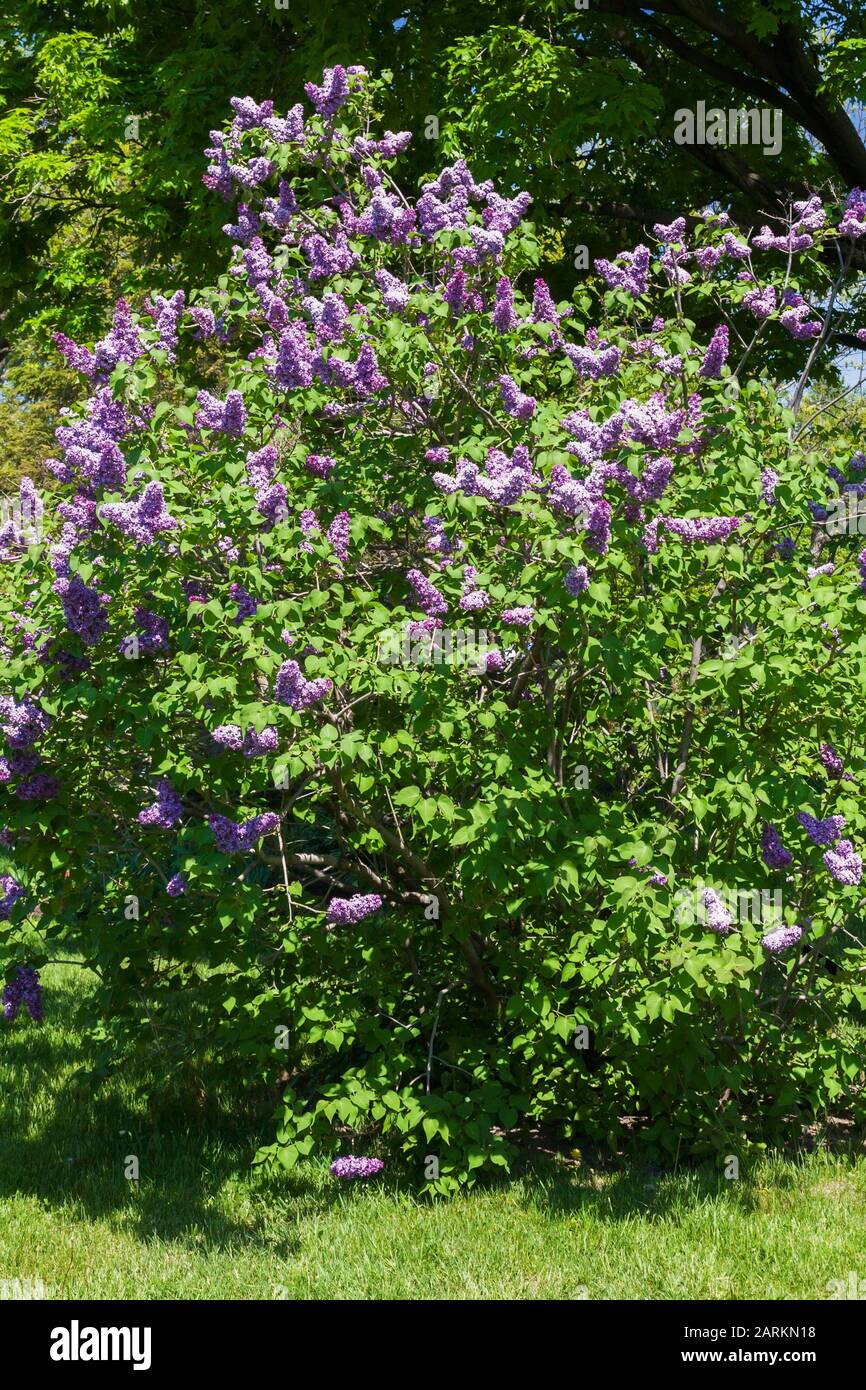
<point x="69" y="1144"/>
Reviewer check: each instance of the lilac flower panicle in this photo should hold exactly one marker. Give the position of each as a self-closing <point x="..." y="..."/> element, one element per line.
<point x="292" y="687"/>
<point x="716" y="355"/>
<point x="228" y="416"/>
<point x="428" y="597"/>
<point x="353" y="1166"/>
<point x="781" y="938"/>
<point x="22" y="724"/>
<point x="516" y="404"/>
<point x="12" y="890"/>
<point x="233" y="838"/>
<point x="843" y="863"/>
<point x="718" y="917"/>
<point x="518" y="617"/>
<point x="774" y="854"/>
<point x="23" y="989"/>
<point x="166" y="811"/>
<point x="142" y="520"/>
<point x="176" y="886"/>
<point x="833" y="764"/>
<point x="821" y="832"/>
<point x="769" y="483"/>
<point x="348" y="911"/>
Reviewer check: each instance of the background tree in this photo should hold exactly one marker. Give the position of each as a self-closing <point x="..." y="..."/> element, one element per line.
<point x="104" y="105"/>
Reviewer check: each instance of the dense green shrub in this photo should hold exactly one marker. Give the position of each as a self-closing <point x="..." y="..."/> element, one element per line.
<point x="449" y="886"/>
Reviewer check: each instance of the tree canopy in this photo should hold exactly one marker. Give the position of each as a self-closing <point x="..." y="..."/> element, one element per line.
<point x="104" y="105"/>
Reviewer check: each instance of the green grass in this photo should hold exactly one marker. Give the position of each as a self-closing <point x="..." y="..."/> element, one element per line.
<point x="199" y="1225"/>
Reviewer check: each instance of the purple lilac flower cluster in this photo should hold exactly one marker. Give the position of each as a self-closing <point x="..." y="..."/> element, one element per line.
<point x="353" y="1166"/>
<point x="233" y="838"/>
<point x="230" y="737"/>
<point x="167" y="811"/>
<point x="11" y="892"/>
<point x="23" y="989"/>
<point x="717" y="915"/>
<point x="346" y="912"/>
<point x="292" y="687"/>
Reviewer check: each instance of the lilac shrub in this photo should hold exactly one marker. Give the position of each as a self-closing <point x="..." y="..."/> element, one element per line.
<point x="430" y="871"/>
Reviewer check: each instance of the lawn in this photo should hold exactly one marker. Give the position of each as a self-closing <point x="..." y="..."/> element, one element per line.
<point x="200" y="1225"/>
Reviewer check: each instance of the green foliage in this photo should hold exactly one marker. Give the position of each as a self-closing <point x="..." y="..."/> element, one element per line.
<point x="518" y="904"/>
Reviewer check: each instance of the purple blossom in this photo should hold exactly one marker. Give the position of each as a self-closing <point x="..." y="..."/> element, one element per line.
<point x="717" y="915"/>
<point x="326" y="259"/>
<point x="11" y="892"/>
<point x="176" y="886"/>
<point x="141" y="520"/>
<point x="320" y="465"/>
<point x="333" y="93"/>
<point x="42" y="787"/>
<point x="707" y="530"/>
<point x="261" y="466"/>
<point x="294" y="363"/>
<point x="716" y="355"/>
<point x="518" y="405"/>
<point x="355" y="1167"/>
<point x="294" y="689"/>
<point x="631" y="274"/>
<point x="518" y="617"/>
<point x="24" y="989"/>
<point x="577" y="580"/>
<point x="428" y="597"/>
<point x="821" y="832"/>
<point x="395" y="295"/>
<point x="257" y="745"/>
<point x="368" y="379"/>
<point x="761" y="302"/>
<point x="288" y="130"/>
<point x="248" y="113"/>
<point x="593" y="364"/>
<point x="781" y="938"/>
<point x="769" y="483"/>
<point x="22" y="724"/>
<point x="166" y="811"/>
<point x="504" y="317"/>
<point x="737" y="250"/>
<point x="831" y="760"/>
<point x="122" y="344"/>
<point x="166" y="315"/>
<point x="773" y="851"/>
<point x="204" y="320"/>
<point x="853" y="222"/>
<point x="247" y="605"/>
<point x="151" y="638"/>
<point x="338" y="535"/>
<point x="83" y="609"/>
<point x="543" y="307"/>
<point x="228" y="416"/>
<point x="347" y="911"/>
<point x="233" y="838"/>
<point x="844" y="865"/>
<point x="673" y="232"/>
<point x="228" y="736"/>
